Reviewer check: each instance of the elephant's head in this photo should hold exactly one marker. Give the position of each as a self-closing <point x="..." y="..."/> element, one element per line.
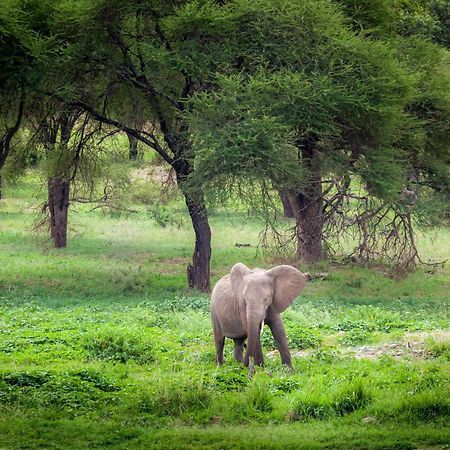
<point x="259" y="290"/>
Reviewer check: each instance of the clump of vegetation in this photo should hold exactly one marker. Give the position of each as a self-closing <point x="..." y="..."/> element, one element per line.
<point x="426" y="405"/>
<point x="299" y="337"/>
<point x="438" y="348"/>
<point x="356" y="337"/>
<point x="73" y="391"/>
<point x="164" y="216"/>
<point x="230" y="378"/>
<point x="120" y="345"/>
<point x="175" y="397"/>
<point x="324" y="405"/>
<point x="259" y="397"/>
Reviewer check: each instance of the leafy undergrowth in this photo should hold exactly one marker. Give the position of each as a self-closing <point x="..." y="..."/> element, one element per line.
<point x="145" y="365"/>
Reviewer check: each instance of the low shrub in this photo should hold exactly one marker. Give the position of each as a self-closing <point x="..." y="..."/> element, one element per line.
<point x="299" y="338"/>
<point x="438" y="348"/>
<point x="323" y="405"/>
<point x="120" y="345"/>
<point x="259" y="397"/>
<point x="356" y="337"/>
<point x="426" y="405"/>
<point x="176" y="397"/>
<point x="351" y="398"/>
<point x="72" y="391"/>
<point x="230" y="378"/>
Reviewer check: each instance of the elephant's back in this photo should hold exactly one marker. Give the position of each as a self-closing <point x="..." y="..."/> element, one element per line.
<point x="221" y="289"/>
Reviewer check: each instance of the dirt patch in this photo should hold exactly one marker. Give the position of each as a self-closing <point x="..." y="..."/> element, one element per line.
<point x="413" y="345"/>
<point x="394" y="349"/>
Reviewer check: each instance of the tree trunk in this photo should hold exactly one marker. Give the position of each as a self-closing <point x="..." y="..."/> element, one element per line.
<point x="308" y="209"/>
<point x="58" y="202"/>
<point x="134" y="152"/>
<point x="287" y="207"/>
<point x="198" y="272"/>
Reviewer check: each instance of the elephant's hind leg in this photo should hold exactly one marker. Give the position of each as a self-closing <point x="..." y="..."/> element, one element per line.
<point x="239" y="349"/>
<point x="219" y="341"/>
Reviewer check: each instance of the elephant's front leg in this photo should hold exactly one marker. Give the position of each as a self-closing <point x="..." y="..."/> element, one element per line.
<point x="277" y="328"/>
<point x="239" y="349"/>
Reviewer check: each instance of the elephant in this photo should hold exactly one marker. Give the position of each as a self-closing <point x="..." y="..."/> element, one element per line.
<point x="245" y="299"/>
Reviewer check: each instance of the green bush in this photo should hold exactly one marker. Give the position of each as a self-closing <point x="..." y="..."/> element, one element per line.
<point x="174" y="397"/>
<point x="120" y="345"/>
<point x="356" y="337"/>
<point x="426" y="405"/>
<point x="284" y="384"/>
<point x="71" y="391"/>
<point x="259" y="397"/>
<point x="438" y="348"/>
<point x="230" y="378"/>
<point x="322" y="405"/>
<point x="299" y="338"/>
<point x="350" y="398"/>
<point x="165" y="216"/>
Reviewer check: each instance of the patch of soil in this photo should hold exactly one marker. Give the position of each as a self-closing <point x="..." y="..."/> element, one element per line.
<point x="413" y="345"/>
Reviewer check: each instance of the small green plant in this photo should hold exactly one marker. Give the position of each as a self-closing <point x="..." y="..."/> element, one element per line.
<point x="310" y="406"/>
<point x="98" y="380"/>
<point x="287" y="384"/>
<point x="426" y="405"/>
<point x="119" y="345"/>
<point x="26" y="379"/>
<point x="438" y="348"/>
<point x="164" y="216"/>
<point x="322" y="405"/>
<point x="355" y="337"/>
<point x="352" y="397"/>
<point x="259" y="396"/>
<point x="173" y="397"/>
<point x="299" y="338"/>
<point x="231" y="378"/>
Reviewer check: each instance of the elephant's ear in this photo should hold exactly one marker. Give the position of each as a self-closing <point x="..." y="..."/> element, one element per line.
<point x="289" y="282"/>
<point x="237" y="274"/>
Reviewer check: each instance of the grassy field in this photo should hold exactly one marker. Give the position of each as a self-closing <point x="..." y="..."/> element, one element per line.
<point x="102" y="346"/>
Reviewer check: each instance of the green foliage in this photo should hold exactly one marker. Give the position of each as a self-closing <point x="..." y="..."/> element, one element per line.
<point x="438" y="348"/>
<point x="317" y="405"/>
<point x="259" y="397"/>
<point x="299" y="338"/>
<point x="356" y="336"/>
<point x="176" y="397"/>
<point x="120" y="345"/>
<point x="230" y="378"/>
<point x="426" y="405"/>
<point x="164" y="216"/>
<point x="72" y="391"/>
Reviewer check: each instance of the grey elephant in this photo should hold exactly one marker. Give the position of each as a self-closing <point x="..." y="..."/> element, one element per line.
<point x="244" y="300"/>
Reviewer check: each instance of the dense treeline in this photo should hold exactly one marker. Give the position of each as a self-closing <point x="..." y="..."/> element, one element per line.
<point x="343" y="107"/>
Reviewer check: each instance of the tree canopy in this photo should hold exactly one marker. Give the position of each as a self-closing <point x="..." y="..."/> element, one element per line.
<point x="342" y="104"/>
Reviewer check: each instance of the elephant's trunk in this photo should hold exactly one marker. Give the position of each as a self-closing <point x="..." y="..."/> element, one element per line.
<point x="254" y="344"/>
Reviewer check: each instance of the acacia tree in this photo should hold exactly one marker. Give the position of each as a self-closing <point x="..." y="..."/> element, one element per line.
<point x="299" y="78"/>
<point x="17" y="62"/>
<point x="127" y="46"/>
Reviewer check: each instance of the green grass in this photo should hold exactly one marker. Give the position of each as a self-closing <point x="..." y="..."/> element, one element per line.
<point x="103" y="346"/>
